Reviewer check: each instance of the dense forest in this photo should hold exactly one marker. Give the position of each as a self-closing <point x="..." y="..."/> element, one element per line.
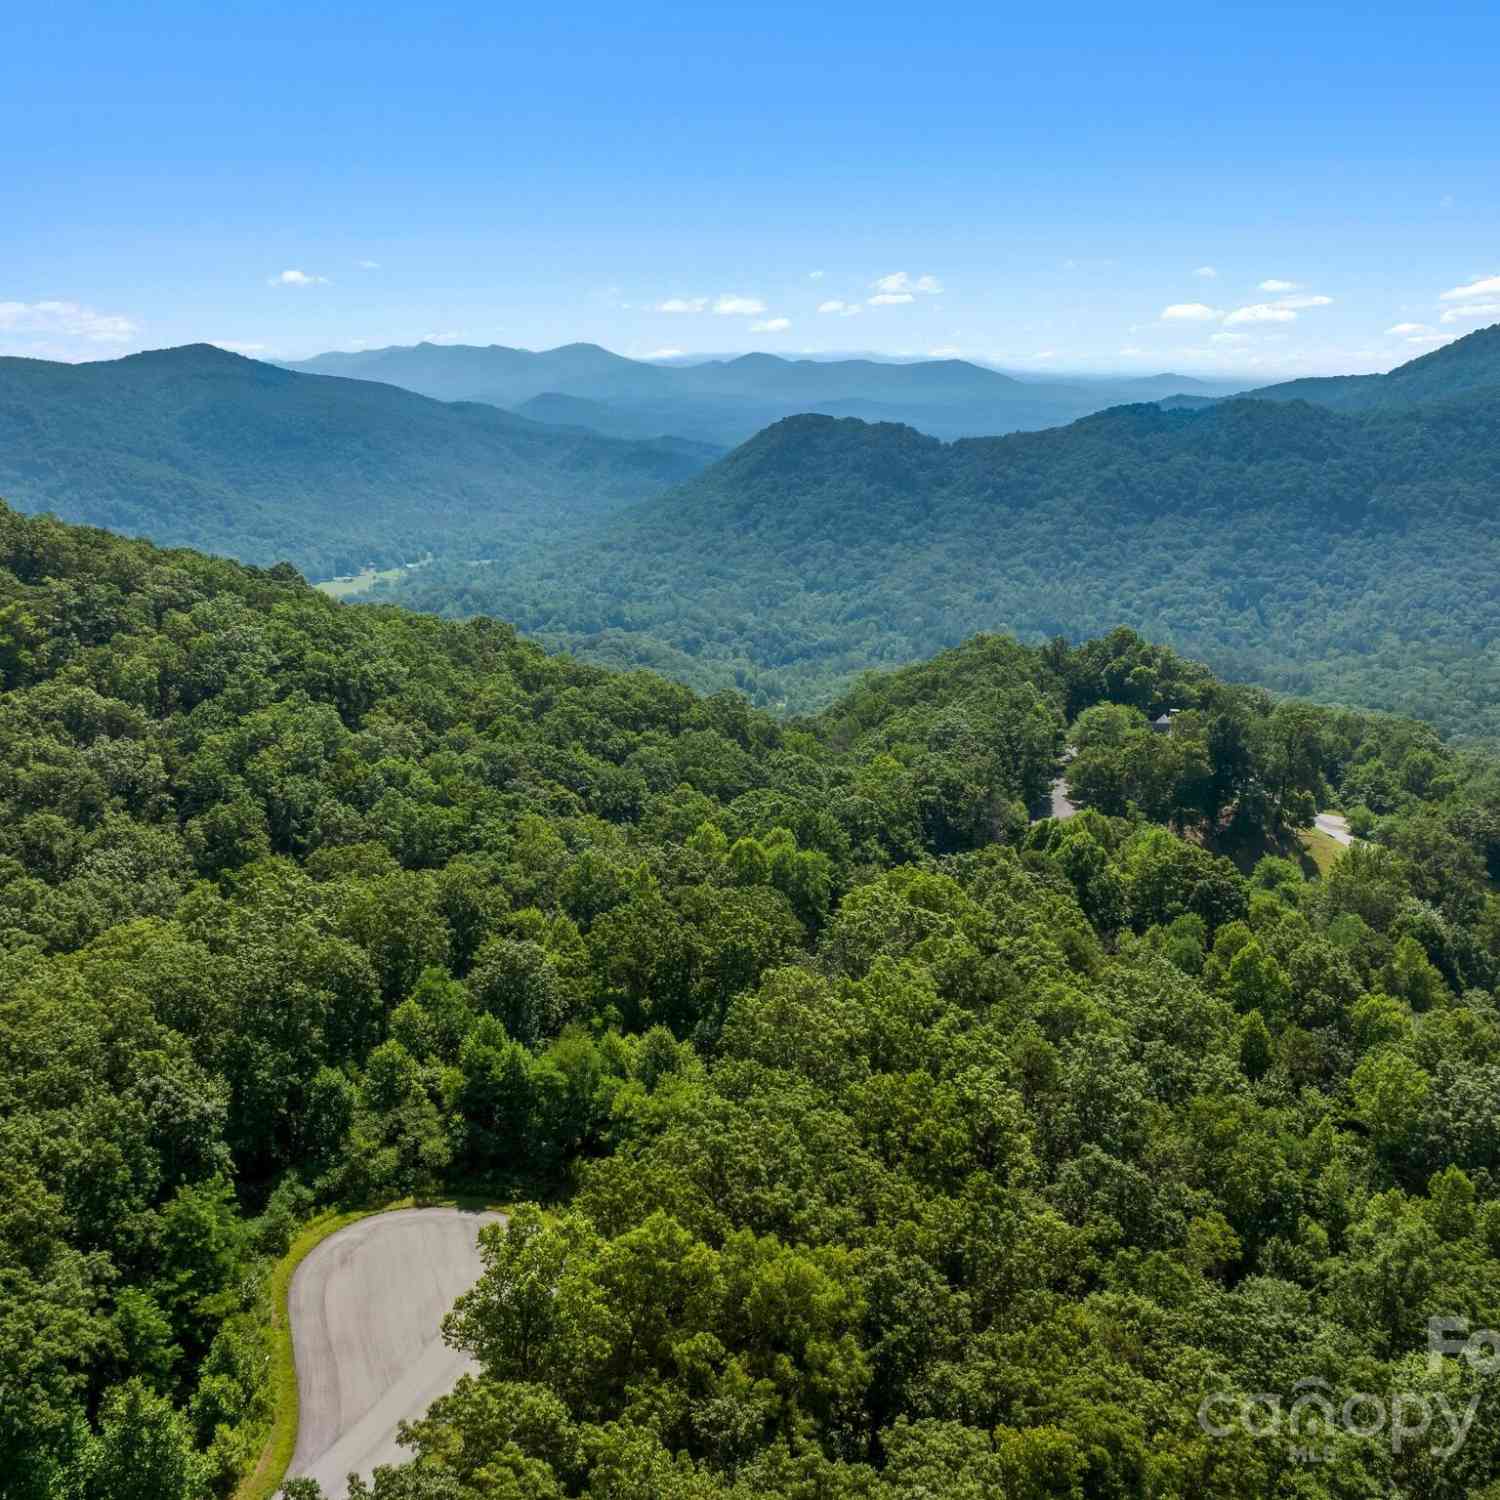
<point x="1348" y="558"/>
<point x="893" y="1144"/>
<point x="200" y="447"/>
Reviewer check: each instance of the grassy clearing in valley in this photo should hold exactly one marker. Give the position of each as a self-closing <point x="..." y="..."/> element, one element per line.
<point x="1319" y="848"/>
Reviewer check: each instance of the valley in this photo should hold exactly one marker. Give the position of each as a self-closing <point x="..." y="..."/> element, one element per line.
<point x="1346" y="556"/>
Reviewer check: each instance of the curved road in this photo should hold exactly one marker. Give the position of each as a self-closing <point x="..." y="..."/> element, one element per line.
<point x="366" y="1308"/>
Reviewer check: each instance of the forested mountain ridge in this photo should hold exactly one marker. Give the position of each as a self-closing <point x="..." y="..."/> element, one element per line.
<point x="1345" y="556"/>
<point x="202" y="447"/>
<point x="726" y="401"/>
<point x="1468" y="365"/>
<point x="888" y="1130"/>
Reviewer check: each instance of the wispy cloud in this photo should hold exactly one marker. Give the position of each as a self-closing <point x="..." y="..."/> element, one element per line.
<point x="69" y="319"/>
<point x="1260" y="312"/>
<point x="1483" y="286"/>
<point x="901" y="287"/>
<point x="296" y="278"/>
<point x="815" y="275"/>
<point x="1471" y="312"/>
<point x="900" y="284"/>
<point x="1406" y="328"/>
<point x="369" y="265"/>
<point x="683" y="305"/>
<point x="1190" y="312"/>
<point x="771" y="325"/>
<point x="662" y="354"/>
<point x="1207" y="273"/>
<point x="1283" y="311"/>
<point x="1274" y="284"/>
<point x="836" y="305"/>
<point x="732" y="306"/>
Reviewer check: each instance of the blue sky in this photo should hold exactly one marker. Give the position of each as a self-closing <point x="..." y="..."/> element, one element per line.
<point x="1035" y="186"/>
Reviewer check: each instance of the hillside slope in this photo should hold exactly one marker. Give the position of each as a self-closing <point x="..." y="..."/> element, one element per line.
<point x="201" y="447"/>
<point x="1345" y="557"/>
<point x="1469" y="365"/>
<point x="880" y="1129"/>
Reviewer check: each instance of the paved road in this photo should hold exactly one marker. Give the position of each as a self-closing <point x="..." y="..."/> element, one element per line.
<point x="1336" y="826"/>
<point x="1061" y="806"/>
<point x="365" y="1309"/>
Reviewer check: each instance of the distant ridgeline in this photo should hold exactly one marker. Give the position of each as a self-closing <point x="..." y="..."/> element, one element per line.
<point x="726" y="401"/>
<point x="895" y="1145"/>
<point x="1347" y="555"/>
<point x="1330" y="538"/>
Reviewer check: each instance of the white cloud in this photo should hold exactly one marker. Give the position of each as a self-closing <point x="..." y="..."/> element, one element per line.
<point x="1283" y="311"/>
<point x="1276" y="285"/>
<point x="1484" y="286"/>
<point x="731" y="306"/>
<point x="1472" y="312"/>
<point x="1261" y="312"/>
<point x="662" y="354"/>
<point x="947" y="351"/>
<point x="296" y="278"/>
<point x="1229" y="338"/>
<point x="441" y="338"/>
<point x="815" y="275"/>
<point x="1433" y="338"/>
<point x="900" y="286"/>
<point x="71" y="319"/>
<point x="771" y="325"/>
<point x="1189" y="312"/>
<point x="1407" y="328"/>
<point x="1207" y="273"/>
<point x="369" y="265"/>
<point x="683" y="305"/>
<point x="843" y="309"/>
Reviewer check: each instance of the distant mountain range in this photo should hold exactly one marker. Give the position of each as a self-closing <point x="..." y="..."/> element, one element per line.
<point x="198" y="447"/>
<point x="1348" y="555"/>
<point x="726" y="401"/>
<point x="1337" y="538"/>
